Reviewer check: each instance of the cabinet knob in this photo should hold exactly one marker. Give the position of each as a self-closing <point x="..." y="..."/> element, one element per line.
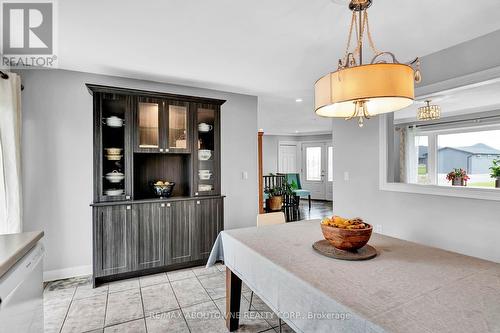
<point x="129" y="207"/>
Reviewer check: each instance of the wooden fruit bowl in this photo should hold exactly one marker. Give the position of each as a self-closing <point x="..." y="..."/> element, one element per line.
<point x="347" y="239"/>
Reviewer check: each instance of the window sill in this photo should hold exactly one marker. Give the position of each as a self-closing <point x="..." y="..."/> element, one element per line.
<point x="448" y="191"/>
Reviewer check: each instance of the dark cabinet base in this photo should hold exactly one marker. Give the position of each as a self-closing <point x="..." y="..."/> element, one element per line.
<point x="142" y="238"/>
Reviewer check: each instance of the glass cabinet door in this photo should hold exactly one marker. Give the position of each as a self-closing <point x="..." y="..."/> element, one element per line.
<point x="114" y="155"/>
<point x="148" y="125"/>
<point x="207" y="150"/>
<point x="178" y="127"/>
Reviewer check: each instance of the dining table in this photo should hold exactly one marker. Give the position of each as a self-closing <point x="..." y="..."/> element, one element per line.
<point x="407" y="287"/>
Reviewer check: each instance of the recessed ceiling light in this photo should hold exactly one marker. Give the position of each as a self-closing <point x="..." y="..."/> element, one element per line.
<point x="296" y="131"/>
<point x="299" y="100"/>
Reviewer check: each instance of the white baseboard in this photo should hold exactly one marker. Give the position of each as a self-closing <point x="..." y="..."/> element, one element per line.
<point x="65" y="273"/>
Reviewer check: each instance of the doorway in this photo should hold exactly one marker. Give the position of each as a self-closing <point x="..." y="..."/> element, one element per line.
<point x="287" y="157"/>
<point x="317" y="169"/>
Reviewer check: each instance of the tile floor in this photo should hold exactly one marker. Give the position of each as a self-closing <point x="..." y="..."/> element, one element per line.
<point x="189" y="300"/>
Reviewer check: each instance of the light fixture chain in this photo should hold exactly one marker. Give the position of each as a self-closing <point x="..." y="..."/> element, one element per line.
<point x="349" y="39"/>
<point x="370" y="38"/>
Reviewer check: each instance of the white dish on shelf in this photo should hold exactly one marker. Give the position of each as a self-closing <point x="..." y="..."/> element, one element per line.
<point x="205" y="187"/>
<point x="115" y="176"/>
<point x="114" y="121"/>
<point x="204" y="127"/>
<point x="114" y="157"/>
<point x="114" y="192"/>
<point x="205" y="176"/>
<point x="113" y="151"/>
<point x="204" y="154"/>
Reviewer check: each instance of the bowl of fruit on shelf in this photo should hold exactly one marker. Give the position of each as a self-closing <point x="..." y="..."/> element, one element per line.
<point x="346" y="234"/>
<point x="162" y="189"/>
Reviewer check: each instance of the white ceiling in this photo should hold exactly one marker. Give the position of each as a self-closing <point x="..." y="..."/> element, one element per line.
<point x="275" y="49"/>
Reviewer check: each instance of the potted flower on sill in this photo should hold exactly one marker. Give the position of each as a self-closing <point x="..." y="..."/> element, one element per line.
<point x="458" y="177"/>
<point x="275" y="199"/>
<point x="495" y="172"/>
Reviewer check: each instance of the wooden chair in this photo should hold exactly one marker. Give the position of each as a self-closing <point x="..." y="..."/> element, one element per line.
<point x="263" y="220"/>
<point x="291" y="207"/>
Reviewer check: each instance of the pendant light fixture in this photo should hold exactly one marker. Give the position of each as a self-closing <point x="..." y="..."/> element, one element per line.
<point x="429" y="112"/>
<point x="358" y="90"/>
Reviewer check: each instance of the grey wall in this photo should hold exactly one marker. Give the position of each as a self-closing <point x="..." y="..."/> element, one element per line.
<point x="468" y="226"/>
<point x="270" y="145"/>
<point x="57" y="160"/>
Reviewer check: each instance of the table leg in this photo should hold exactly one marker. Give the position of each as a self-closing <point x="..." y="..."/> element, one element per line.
<point x="233" y="299"/>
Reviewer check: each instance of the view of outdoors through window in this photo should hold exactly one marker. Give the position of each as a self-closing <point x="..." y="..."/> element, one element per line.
<point x="473" y="152"/>
<point x="422" y="144"/>
<point x="313" y="163"/>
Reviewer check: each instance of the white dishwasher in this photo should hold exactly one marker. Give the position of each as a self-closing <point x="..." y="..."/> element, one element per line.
<point x="21" y="294"/>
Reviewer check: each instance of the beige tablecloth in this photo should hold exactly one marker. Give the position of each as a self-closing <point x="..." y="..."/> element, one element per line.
<point x="407" y="288"/>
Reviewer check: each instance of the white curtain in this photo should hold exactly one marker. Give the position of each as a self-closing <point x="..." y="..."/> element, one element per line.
<point x="10" y="155"/>
<point x="411" y="156"/>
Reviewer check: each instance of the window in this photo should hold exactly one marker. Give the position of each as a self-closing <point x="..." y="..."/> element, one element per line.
<point x="431" y="154"/>
<point x="330" y="164"/>
<point x="472" y="151"/>
<point x="313" y="163"/>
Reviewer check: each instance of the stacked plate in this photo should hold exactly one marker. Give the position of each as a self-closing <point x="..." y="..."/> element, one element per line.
<point x="114" y="154"/>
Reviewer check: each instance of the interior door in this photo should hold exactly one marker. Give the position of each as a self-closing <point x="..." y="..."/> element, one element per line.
<point x="314" y="169"/>
<point x="287" y="158"/>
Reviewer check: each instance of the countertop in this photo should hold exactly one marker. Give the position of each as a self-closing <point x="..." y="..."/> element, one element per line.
<point x="14" y="246"/>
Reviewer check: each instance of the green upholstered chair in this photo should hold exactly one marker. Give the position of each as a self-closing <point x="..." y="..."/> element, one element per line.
<point x="294" y="180"/>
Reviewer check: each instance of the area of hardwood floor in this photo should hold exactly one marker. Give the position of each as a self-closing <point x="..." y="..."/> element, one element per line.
<point x="319" y="209"/>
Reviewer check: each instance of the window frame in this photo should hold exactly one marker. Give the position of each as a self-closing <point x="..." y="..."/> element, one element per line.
<point x="431" y="189"/>
<point x="433" y="134"/>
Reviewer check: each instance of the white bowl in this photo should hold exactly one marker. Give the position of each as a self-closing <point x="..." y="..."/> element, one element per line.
<point x="114" y="157"/>
<point x="203" y="127"/>
<point x="204" y="154"/>
<point x="205" y="176"/>
<point x="205" y="187"/>
<point x="114" y="192"/>
<point x="113" y="151"/>
<point x="115" y="176"/>
<point x="114" y="121"/>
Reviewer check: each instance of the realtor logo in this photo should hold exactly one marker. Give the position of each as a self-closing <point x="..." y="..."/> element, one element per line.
<point x="28" y="33"/>
<point x="27" y="28"/>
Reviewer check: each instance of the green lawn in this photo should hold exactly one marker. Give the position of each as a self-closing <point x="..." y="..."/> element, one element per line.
<point x="422" y="169"/>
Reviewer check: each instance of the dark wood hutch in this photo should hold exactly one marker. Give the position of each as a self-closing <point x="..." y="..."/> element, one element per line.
<point x="142" y="137"/>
